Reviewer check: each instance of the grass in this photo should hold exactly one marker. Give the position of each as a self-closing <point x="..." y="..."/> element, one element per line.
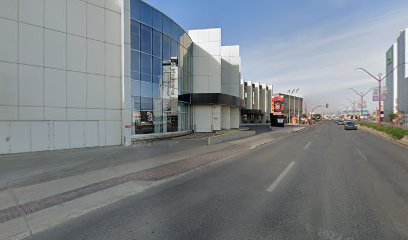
<point x="394" y="132"/>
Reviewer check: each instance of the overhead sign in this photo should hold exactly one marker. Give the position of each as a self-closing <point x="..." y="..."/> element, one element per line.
<point x="384" y="94"/>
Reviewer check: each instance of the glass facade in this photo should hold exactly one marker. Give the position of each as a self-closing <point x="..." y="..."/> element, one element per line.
<point x="161" y="70"/>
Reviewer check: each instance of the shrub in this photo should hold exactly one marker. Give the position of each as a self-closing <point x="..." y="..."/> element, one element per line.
<point x="394" y="132"/>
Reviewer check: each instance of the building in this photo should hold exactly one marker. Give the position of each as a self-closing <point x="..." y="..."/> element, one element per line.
<point x="257" y="102"/>
<point x="85" y="73"/>
<point x="397" y="82"/>
<point x="293" y="106"/>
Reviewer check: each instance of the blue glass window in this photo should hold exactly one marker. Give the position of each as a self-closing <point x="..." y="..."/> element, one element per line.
<point x="157" y="79"/>
<point x="174" y="49"/>
<point x="146" y="89"/>
<point x="157" y="43"/>
<point x="146" y="39"/>
<point x="136" y="103"/>
<point x="146" y="14"/>
<point x="167" y="25"/>
<point x="156" y="90"/>
<point x="146" y="63"/>
<point x="146" y="77"/>
<point x="135" y="9"/>
<point x="135" y="65"/>
<point x="146" y="103"/>
<point x="135" y="35"/>
<point x="135" y="88"/>
<point x="157" y="66"/>
<point x="157" y="20"/>
<point x="166" y="48"/>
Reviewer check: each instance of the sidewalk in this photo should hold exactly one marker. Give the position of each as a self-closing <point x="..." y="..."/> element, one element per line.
<point x="92" y="178"/>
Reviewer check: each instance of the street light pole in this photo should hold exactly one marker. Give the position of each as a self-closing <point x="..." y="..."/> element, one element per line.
<point x="379" y="79"/>
<point x="361" y="99"/>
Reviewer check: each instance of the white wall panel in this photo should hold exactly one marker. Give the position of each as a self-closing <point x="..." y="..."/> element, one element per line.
<point x="31" y="113"/>
<point x="31" y="44"/>
<point x="55" y="49"/>
<point x="60" y="135"/>
<point x="76" y="89"/>
<point x="56" y="14"/>
<point x="20" y="137"/>
<point x="95" y="91"/>
<point x="30" y="85"/>
<point x="76" y="17"/>
<point x="55" y="113"/>
<point x="55" y="88"/>
<point x="113" y="60"/>
<point x="76" y="53"/>
<point x="113" y="93"/>
<point x="76" y="134"/>
<point x="112" y="27"/>
<point x="9" y="9"/>
<point x="95" y="57"/>
<point x="8" y="40"/>
<point x="31" y="11"/>
<point x="5" y="137"/>
<point x="91" y="134"/>
<point x="113" y="132"/>
<point x="95" y="22"/>
<point x="8" y="83"/>
<point x="102" y="133"/>
<point x="40" y="136"/>
<point x="8" y="112"/>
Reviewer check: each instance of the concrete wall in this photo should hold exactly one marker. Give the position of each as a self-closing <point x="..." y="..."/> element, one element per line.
<point x="61" y="74"/>
<point x="230" y="70"/>
<point x="225" y="117"/>
<point x="235" y="117"/>
<point x="206" y="60"/>
<point x="249" y="101"/>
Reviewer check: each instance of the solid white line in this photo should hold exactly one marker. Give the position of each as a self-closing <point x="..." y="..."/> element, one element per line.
<point x="361" y="154"/>
<point x="280" y="177"/>
<point x="307" y="145"/>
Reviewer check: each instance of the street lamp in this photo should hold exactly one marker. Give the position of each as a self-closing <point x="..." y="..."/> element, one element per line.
<point x="361" y="94"/>
<point x="379" y="79"/>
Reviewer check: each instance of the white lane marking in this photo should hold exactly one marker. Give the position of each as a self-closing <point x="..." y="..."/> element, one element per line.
<point x="307" y="145"/>
<point x="261" y="143"/>
<point x="361" y="154"/>
<point x="280" y="177"/>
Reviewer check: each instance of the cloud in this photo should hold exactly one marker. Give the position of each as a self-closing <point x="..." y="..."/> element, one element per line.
<point x="322" y="59"/>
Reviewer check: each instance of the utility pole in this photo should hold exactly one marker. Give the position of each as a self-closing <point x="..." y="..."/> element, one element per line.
<point x="361" y="94"/>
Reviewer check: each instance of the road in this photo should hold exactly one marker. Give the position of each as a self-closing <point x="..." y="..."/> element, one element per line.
<point x="321" y="183"/>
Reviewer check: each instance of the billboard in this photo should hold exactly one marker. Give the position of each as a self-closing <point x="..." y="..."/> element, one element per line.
<point x="278" y="105"/>
<point x="384" y="94"/>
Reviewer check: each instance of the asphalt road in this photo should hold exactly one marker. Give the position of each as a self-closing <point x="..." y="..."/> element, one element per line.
<point x="322" y="183"/>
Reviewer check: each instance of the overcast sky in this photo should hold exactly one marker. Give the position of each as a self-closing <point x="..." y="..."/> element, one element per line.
<point x="313" y="45"/>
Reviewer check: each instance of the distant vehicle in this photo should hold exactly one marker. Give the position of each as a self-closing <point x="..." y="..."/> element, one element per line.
<point x="350" y="126"/>
<point x="340" y="122"/>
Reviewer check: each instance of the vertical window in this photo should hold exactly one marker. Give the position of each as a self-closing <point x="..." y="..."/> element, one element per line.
<point x="146" y="39"/>
<point x="157" y="43"/>
<point x="135" y="65"/>
<point x="146" y="103"/>
<point x="135" y="35"/>
<point x="157" y="20"/>
<point x="146" y="64"/>
<point x="135" y="9"/>
<point x="157" y="66"/>
<point x="174" y="49"/>
<point x="167" y="25"/>
<point x="146" y="13"/>
<point x="146" y="89"/>
<point x="166" y="48"/>
<point x="135" y="88"/>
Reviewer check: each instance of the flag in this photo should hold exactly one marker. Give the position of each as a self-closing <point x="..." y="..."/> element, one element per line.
<point x="297" y="90"/>
<point x="289" y="91"/>
<point x="293" y="90"/>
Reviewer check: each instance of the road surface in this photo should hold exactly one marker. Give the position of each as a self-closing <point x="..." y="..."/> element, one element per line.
<point x="321" y="183"/>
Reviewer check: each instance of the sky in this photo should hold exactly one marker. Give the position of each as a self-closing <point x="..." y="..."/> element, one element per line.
<point x="313" y="45"/>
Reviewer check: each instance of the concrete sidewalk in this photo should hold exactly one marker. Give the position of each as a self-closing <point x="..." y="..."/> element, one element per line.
<point x="28" y="209"/>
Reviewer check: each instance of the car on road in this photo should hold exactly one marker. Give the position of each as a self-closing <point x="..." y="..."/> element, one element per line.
<point x="340" y="122"/>
<point x="350" y="125"/>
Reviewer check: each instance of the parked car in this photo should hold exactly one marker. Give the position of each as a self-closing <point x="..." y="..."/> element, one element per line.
<point x="350" y="125"/>
<point x="340" y="122"/>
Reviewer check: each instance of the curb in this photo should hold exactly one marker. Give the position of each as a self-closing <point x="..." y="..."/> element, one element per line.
<point x="403" y="141"/>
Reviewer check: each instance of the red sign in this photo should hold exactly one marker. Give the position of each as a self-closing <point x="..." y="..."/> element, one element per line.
<point x="128" y="126"/>
<point x="277" y="105"/>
